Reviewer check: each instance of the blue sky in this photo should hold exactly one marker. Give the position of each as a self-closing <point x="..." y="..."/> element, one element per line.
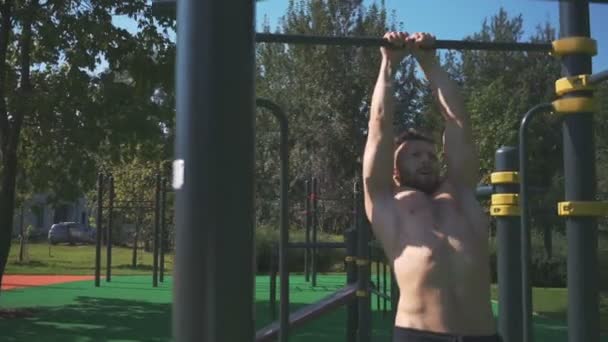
<point x="455" y="19"/>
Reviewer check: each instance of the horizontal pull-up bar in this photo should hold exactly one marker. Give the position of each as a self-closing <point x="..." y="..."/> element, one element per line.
<point x="166" y="8"/>
<point x="376" y="41"/>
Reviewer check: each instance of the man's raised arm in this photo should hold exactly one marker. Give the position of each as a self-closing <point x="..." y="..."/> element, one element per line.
<point x="378" y="156"/>
<point x="460" y="151"/>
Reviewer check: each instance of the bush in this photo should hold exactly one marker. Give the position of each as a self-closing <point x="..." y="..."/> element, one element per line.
<point x="267" y="238"/>
<point x="544" y="272"/>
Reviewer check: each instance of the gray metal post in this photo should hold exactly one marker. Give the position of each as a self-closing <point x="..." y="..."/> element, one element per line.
<point x="510" y="306"/>
<point x="363" y="266"/>
<point x="99" y="230"/>
<point x="109" y="232"/>
<point x="580" y="185"/>
<point x="214" y="171"/>
<point x="307" y="228"/>
<point x="350" y="237"/>
<point x="315" y="225"/>
<point x="155" y="238"/>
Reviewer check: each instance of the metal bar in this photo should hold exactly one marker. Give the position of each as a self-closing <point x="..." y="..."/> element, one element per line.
<point x="279" y="114"/>
<point x="99" y="230"/>
<point x="308" y="219"/>
<point x="213" y="172"/>
<point x="155" y="238"/>
<point x="509" y="255"/>
<point x="379" y="294"/>
<point x="384" y="289"/>
<point x="109" y="232"/>
<point x="526" y="245"/>
<point x="377" y="283"/>
<point x="351" y="279"/>
<point x="315" y="223"/>
<point x="163" y="229"/>
<point x="364" y="298"/>
<point x="598" y="77"/>
<point x="310" y="312"/>
<point x="316" y="245"/>
<point x="580" y="185"/>
<point x="273" y="282"/>
<point x="377" y="42"/>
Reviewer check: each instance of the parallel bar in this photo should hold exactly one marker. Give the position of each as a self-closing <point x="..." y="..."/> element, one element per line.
<point x="509" y="255"/>
<point x="316" y="245"/>
<point x="163" y="229"/>
<point x="526" y="244"/>
<point x="156" y="232"/>
<point x="315" y="226"/>
<point x="580" y="185"/>
<point x="109" y="232"/>
<point x="280" y="116"/>
<point x="350" y="236"/>
<point x="213" y="172"/>
<point x="363" y="236"/>
<point x="99" y="230"/>
<point x="310" y="312"/>
<point x="307" y="233"/>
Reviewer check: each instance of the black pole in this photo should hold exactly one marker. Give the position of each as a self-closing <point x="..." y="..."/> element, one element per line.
<point x="284" y="233"/>
<point x="273" y="281"/>
<point x="363" y="293"/>
<point x="99" y="230"/>
<point x="384" y="289"/>
<point x="155" y="239"/>
<point x="109" y="231"/>
<point x="580" y="185"/>
<point x="350" y="238"/>
<point x="214" y="171"/>
<point x="315" y="222"/>
<point x="307" y="234"/>
<point x="163" y="229"/>
<point x="509" y="253"/>
<point x="526" y="244"/>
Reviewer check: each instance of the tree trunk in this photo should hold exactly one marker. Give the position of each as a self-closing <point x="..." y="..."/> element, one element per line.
<point x="7" y="204"/>
<point x="22" y="236"/>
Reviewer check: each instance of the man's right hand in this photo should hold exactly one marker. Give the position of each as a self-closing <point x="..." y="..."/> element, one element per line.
<point x="403" y="43"/>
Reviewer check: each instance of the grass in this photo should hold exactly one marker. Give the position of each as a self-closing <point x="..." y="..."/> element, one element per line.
<point x="63" y="259"/>
<point x="79" y="260"/>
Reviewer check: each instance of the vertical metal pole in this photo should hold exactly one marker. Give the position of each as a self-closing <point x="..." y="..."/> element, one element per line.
<point x="315" y="224"/>
<point x="509" y="255"/>
<point x="214" y="171"/>
<point x="156" y="239"/>
<point x="378" y="286"/>
<point x="109" y="232"/>
<point x="273" y="281"/>
<point x="384" y="289"/>
<point x="580" y="185"/>
<point x="351" y="278"/>
<point x="163" y="228"/>
<point x="99" y="230"/>
<point x="308" y="219"/>
<point x="363" y="293"/>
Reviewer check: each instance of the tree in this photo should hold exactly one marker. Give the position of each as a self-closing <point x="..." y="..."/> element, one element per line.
<point x="56" y="114"/>
<point x="326" y="92"/>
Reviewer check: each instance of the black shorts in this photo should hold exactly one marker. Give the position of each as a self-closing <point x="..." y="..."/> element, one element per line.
<point x="413" y="335"/>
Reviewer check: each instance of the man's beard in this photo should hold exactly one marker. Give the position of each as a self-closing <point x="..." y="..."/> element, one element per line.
<point x="426" y="184"/>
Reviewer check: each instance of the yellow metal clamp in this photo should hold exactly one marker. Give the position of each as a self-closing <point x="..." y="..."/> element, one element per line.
<point x="580" y="208"/>
<point x="574" y="45"/>
<point x="573" y="83"/>
<point x="504" y="210"/>
<point x="505" y="199"/>
<point x="350" y="258"/>
<point x="504" y="178"/>
<point x="361" y="293"/>
<point x="573" y="105"/>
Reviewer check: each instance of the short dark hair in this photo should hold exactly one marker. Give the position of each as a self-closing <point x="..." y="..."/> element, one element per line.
<point x="412" y="134"/>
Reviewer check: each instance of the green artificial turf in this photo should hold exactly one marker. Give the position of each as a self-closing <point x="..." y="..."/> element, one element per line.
<point x="130" y="309"/>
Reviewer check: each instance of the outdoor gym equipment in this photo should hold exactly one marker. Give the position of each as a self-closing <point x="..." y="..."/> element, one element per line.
<point x="214" y="168"/>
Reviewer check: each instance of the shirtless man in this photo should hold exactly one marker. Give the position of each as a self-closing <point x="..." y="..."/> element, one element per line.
<point x="432" y="228"/>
